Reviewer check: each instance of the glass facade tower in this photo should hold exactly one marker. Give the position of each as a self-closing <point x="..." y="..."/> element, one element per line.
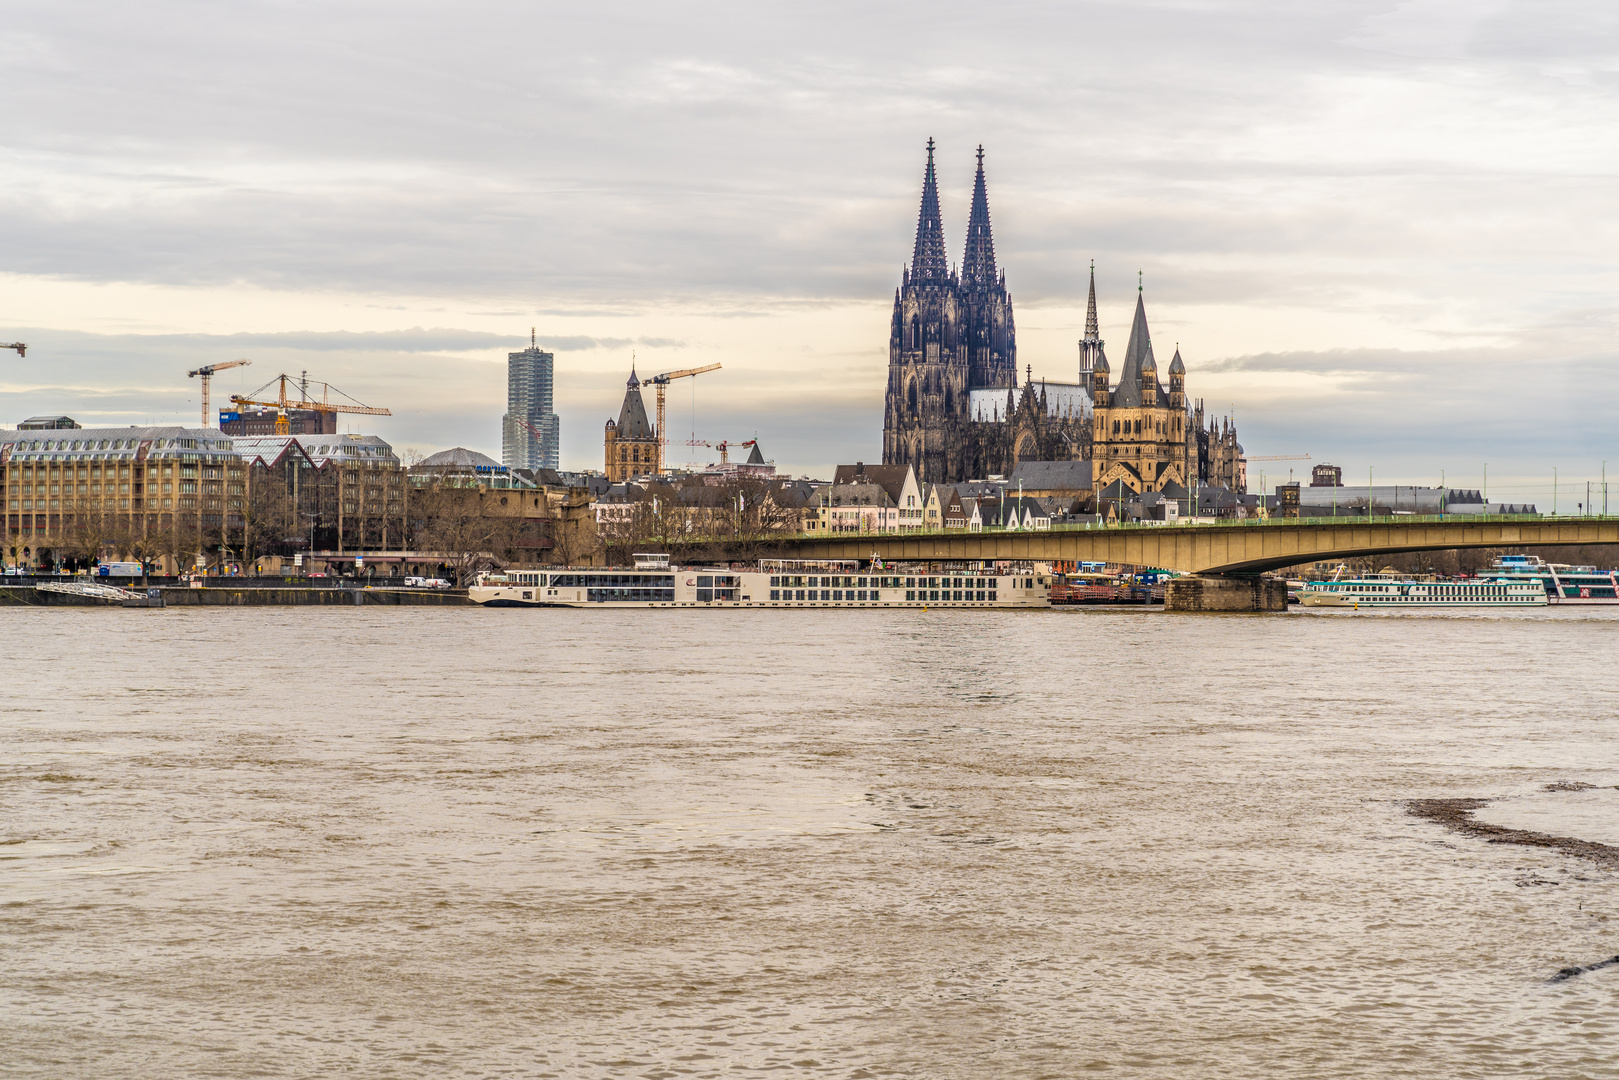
<point x="531" y="433"/>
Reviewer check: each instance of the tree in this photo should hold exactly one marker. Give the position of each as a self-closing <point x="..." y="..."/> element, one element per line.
<point x="272" y="519"/>
<point x="146" y="548"/>
<point x="90" y="535"/>
<point x="453" y="526"/>
<point x="179" y="542"/>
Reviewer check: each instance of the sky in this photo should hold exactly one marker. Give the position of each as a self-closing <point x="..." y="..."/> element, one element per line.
<point x="1383" y="235"/>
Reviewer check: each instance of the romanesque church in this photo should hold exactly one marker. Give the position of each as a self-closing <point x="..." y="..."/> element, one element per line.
<point x="954" y="408"/>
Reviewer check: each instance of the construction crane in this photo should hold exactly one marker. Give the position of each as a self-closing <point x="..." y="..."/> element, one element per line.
<point x="22" y="350"/>
<point x="531" y="429"/>
<point x="1278" y="457"/>
<point x="662" y="383"/>
<point x="282" y="402"/>
<point x="725" y="449"/>
<point x="207" y="374"/>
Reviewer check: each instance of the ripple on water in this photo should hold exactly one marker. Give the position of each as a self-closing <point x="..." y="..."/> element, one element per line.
<point x="430" y="843"/>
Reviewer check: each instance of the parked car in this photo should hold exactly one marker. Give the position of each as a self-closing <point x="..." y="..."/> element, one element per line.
<point x="426" y="583"/>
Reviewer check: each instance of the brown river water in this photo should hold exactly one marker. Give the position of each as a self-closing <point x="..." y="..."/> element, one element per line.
<point x="435" y="843"/>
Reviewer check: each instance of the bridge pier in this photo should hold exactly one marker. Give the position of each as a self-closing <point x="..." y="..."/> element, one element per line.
<point x="1199" y="593"/>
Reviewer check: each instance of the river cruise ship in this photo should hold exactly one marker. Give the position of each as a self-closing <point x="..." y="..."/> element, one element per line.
<point x="1380" y="591"/>
<point x="1562" y="583"/>
<point x="654" y="583"/>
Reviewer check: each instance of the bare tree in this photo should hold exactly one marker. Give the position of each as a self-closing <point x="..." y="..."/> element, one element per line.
<point x="180" y="541"/>
<point x="454" y="526"/>
<point x="146" y="548"/>
<point x="272" y="519"/>
<point x="90" y="536"/>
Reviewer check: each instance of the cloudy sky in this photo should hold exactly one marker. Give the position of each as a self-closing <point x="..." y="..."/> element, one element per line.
<point x="1382" y="233"/>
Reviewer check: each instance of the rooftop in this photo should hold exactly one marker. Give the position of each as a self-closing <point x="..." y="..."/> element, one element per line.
<point x="115" y="443"/>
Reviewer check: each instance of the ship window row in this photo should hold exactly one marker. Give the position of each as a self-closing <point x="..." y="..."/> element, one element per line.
<point x="953" y="583"/>
<point x="705" y="595"/>
<point x="835" y="582"/>
<point x="599" y="581"/>
<point x="597" y="596"/>
<point x="828" y="595"/>
<point x="951" y="595"/>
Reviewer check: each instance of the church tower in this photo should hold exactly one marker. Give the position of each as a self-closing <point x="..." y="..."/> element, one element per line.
<point x="1138" y="443"/>
<point x="991" y="337"/>
<point x="1090" y="346"/>
<point x="925" y="408"/>
<point x="630" y="443"/>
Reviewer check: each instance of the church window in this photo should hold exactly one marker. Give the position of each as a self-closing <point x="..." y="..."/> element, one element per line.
<point x="1115" y="427"/>
<point x="1138" y="427"/>
<point x="949" y="401"/>
<point x="916" y="332"/>
<point x="910" y="398"/>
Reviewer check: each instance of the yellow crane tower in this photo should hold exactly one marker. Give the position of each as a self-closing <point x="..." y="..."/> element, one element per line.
<point x="206" y="372"/>
<point x="22" y="350"/>
<point x="281" y="403"/>
<point x="662" y="383"/>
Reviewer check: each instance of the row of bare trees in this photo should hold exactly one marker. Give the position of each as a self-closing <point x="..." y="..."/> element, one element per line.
<point x="468" y="529"/>
<point x="739" y="519"/>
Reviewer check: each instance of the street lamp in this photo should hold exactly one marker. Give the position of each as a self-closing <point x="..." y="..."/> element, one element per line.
<point x="309" y="548"/>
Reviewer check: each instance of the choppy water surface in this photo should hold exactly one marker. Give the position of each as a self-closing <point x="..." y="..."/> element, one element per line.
<point x="397" y="842"/>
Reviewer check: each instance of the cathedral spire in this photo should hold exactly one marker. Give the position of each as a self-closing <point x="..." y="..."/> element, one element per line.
<point x="1138" y="362"/>
<point x="1090" y="346"/>
<point x="1093" y="329"/>
<point x="978" y="265"/>
<point x="928" y="259"/>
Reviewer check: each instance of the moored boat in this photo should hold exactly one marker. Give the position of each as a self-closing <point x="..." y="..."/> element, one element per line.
<point x="1562" y="583"/>
<point x="1376" y="591"/>
<point x="653" y="582"/>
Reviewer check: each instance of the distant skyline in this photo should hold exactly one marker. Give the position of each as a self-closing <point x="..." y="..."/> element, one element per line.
<point x="1381" y="233"/>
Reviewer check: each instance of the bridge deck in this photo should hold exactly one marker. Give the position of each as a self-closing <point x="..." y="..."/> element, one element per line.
<point x="1235" y="547"/>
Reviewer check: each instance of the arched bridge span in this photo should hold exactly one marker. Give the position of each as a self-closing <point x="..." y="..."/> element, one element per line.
<point x="1227" y="548"/>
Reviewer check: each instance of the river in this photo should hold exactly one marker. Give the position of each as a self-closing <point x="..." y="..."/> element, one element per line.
<point x="421" y="842"/>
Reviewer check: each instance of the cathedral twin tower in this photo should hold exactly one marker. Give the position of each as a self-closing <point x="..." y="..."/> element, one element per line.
<point x="952" y="334"/>
<point x="954" y="410"/>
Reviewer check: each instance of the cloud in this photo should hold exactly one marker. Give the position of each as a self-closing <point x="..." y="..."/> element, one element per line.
<point x="414" y="340"/>
<point x="1340" y="198"/>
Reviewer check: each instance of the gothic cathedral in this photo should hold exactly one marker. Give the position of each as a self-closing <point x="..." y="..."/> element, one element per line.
<point x="953" y="408"/>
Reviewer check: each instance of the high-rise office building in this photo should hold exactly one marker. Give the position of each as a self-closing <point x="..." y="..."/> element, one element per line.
<point x="531" y="433"/>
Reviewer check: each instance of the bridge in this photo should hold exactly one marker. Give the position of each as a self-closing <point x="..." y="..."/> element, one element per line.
<point x="1227" y="549"/>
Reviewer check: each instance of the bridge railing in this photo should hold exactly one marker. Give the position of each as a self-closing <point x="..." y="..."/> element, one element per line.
<point x="1342" y="521"/>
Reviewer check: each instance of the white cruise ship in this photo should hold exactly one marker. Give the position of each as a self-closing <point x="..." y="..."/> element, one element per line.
<point x="1563" y="584"/>
<point x="654" y="583"/>
<point x="1394" y="591"/>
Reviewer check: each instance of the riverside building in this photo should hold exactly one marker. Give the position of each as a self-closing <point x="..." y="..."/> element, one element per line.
<point x="70" y="493"/>
<point x="324" y="492"/>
